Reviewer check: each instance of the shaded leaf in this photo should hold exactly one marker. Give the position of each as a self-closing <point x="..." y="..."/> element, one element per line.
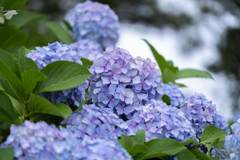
<point x="6" y="109"/>
<point x="24" y="50"/>
<point x="187" y="73"/>
<point x="12" y="4"/>
<point x="11" y="36"/>
<point x="199" y="155"/>
<point x="58" y="30"/>
<point x="171" y="67"/>
<point x="186" y="155"/>
<point x="24" y="18"/>
<point x="62" y="75"/>
<point x="166" y="99"/>
<point x="67" y="24"/>
<point x="26" y="63"/>
<point x="86" y="63"/>
<point x="168" y="76"/>
<point x="39" y="104"/>
<point x="189" y="141"/>
<point x="162" y="63"/>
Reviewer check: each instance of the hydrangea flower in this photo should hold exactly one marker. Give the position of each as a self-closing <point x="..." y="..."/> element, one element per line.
<point x="122" y="82"/>
<point x="94" y="21"/>
<point x="161" y="121"/>
<point x="84" y="47"/>
<point x="46" y="142"/>
<point x="93" y="122"/>
<point x="41" y="141"/>
<point x="175" y="95"/>
<point x="232" y="142"/>
<point x="201" y="113"/>
<point x="56" y="52"/>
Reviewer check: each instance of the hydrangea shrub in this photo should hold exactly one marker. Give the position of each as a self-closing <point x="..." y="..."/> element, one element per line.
<point x="94" y="21"/>
<point x="57" y="52"/>
<point x="93" y="122"/>
<point x="122" y="82"/>
<point x="202" y="113"/>
<point x="159" y="120"/>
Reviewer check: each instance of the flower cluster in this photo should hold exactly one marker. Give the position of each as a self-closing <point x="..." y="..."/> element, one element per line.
<point x="161" y="121"/>
<point x="201" y="113"/>
<point x="41" y="141"/>
<point x="232" y="142"/>
<point x="44" y="142"/>
<point x="94" y="21"/>
<point x="55" y="52"/>
<point x="175" y="95"/>
<point x="122" y="82"/>
<point x="93" y="122"/>
<point x="84" y="47"/>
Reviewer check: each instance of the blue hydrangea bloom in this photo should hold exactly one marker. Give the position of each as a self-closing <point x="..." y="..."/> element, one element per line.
<point x="94" y="122"/>
<point x="84" y="47"/>
<point x="201" y="113"/>
<point x="122" y="82"/>
<point x="41" y="141"/>
<point x="175" y="95"/>
<point x="161" y="121"/>
<point x="94" y="21"/>
<point x="232" y="142"/>
<point x="56" y="52"/>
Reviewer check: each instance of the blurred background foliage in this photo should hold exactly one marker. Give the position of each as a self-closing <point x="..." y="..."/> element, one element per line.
<point x="150" y="13"/>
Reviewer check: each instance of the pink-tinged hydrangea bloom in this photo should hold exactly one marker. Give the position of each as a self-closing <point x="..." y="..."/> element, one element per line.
<point x="201" y="113"/>
<point x="122" y="82"/>
<point x="46" y="142"/>
<point x="94" y="21"/>
<point x="84" y="47"/>
<point x="161" y="121"/>
<point x="57" y="52"/>
<point x="94" y="122"/>
<point x="175" y="95"/>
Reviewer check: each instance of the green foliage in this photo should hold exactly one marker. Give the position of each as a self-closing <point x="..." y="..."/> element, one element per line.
<point x="67" y="24"/>
<point x="7" y="153"/>
<point x="11" y="36"/>
<point x="62" y="75"/>
<point x="58" y="30"/>
<point x="166" y="99"/>
<point x="24" y="50"/>
<point x="186" y="154"/>
<point x="168" y="76"/>
<point x="187" y="73"/>
<point x="86" y="63"/>
<point x="24" y="18"/>
<point x="134" y="144"/>
<point x="12" y="4"/>
<point x="189" y="141"/>
<point x="160" y="148"/>
<point x="39" y="104"/>
<point x="6" y="109"/>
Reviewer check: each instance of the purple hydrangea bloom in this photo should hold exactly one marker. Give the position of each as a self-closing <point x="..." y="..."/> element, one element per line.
<point x="201" y="113"/>
<point x="56" y="52"/>
<point x="232" y="142"/>
<point x="175" y="95"/>
<point x="122" y="82"/>
<point x="84" y="47"/>
<point x="94" y="122"/>
<point x="94" y="21"/>
<point x="41" y="141"/>
<point x="161" y="121"/>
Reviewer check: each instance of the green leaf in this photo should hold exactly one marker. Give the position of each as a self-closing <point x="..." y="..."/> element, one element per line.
<point x="24" y="18"/>
<point x="134" y="145"/>
<point x="17" y="106"/>
<point x="186" y="155"/>
<point x="162" y="63"/>
<point x="11" y="36"/>
<point x="168" y="76"/>
<point x="11" y="83"/>
<point x="160" y="148"/>
<point x="7" y="153"/>
<point x="58" y="30"/>
<point x="67" y="24"/>
<point x="189" y="141"/>
<point x="26" y="63"/>
<point x="24" y="50"/>
<point x="30" y="79"/>
<point x="199" y="155"/>
<point x="62" y="75"/>
<point x="166" y="99"/>
<point x="12" y="4"/>
<point x="180" y="84"/>
<point x="211" y="133"/>
<point x="9" y="61"/>
<point x="86" y="63"/>
<point x="187" y="73"/>
<point x="39" y="104"/>
<point x="6" y="109"/>
<point x="172" y="67"/>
